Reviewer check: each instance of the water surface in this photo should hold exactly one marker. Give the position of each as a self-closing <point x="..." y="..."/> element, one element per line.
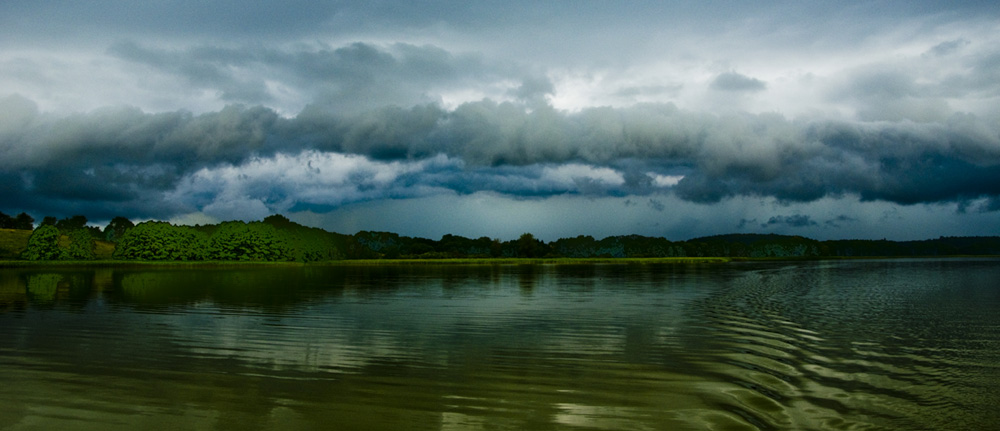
<point x="885" y="344"/>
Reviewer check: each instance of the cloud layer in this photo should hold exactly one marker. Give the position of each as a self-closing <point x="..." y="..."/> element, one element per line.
<point x="197" y="162"/>
<point x="231" y="111"/>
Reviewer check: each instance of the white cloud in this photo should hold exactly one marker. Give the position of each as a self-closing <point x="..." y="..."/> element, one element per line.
<point x="265" y="185"/>
<point x="262" y="186"/>
<point x="194" y="218"/>
<point x="665" y="180"/>
<point x="574" y="173"/>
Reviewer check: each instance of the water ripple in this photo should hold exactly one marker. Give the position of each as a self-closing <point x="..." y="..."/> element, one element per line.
<point x="768" y="346"/>
<point x="780" y="354"/>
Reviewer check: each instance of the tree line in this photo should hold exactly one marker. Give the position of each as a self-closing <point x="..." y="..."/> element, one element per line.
<point x="391" y="245"/>
<point x="277" y="239"/>
<point x="22" y="221"/>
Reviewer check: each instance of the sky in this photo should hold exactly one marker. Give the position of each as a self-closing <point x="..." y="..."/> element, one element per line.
<point x="827" y="119"/>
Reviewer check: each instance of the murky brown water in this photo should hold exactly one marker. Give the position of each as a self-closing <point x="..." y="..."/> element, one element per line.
<point x="893" y="344"/>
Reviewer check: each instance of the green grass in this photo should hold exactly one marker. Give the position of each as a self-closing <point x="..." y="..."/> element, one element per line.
<point x="530" y="261"/>
<point x="12" y="242"/>
<point x="137" y="263"/>
<point x="457" y="261"/>
<point x="358" y="262"/>
<point x="819" y="258"/>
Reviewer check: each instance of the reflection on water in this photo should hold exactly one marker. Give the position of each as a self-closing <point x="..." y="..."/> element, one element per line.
<point x="900" y="344"/>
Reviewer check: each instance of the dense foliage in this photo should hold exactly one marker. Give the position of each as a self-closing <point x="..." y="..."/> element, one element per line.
<point x="374" y="245"/>
<point x="116" y="229"/>
<point x="235" y="240"/>
<point x="306" y="244"/>
<point x="277" y="239"/>
<point x="157" y="240"/>
<point x="81" y="245"/>
<point x="44" y="245"/>
<point x="23" y="221"/>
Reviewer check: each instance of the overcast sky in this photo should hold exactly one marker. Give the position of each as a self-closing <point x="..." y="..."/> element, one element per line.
<point x="866" y="119"/>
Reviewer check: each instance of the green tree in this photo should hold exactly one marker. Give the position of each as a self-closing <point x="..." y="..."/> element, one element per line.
<point x="48" y="221"/>
<point x="255" y="241"/>
<point x="496" y="248"/>
<point x="70" y="224"/>
<point x="24" y="222"/>
<point x="307" y="244"/>
<point x="116" y="229"/>
<point x="157" y="240"/>
<point x="527" y="246"/>
<point x="81" y="245"/>
<point x="43" y="244"/>
<point x="6" y="221"/>
<point x="580" y="246"/>
<point x="279" y="221"/>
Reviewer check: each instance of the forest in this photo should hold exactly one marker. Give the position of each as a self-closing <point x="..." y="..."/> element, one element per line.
<point x="278" y="239"/>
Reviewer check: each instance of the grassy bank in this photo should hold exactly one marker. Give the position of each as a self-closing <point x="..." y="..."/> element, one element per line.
<point x="363" y="262"/>
<point x="618" y="260"/>
<point x="827" y="258"/>
<point x="531" y="261"/>
<point x="14" y="241"/>
<point x="458" y="261"/>
<point x="135" y="263"/>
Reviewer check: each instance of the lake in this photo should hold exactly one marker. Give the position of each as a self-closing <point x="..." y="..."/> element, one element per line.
<point x="859" y="344"/>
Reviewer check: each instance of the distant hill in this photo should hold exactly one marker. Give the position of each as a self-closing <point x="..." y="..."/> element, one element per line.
<point x="944" y="246"/>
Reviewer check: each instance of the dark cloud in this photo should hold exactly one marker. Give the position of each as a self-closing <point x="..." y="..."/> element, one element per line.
<point x="796" y="221"/>
<point x="236" y="109"/>
<point x="922" y="88"/>
<point x="123" y="155"/>
<point x="66" y="19"/>
<point x="650" y="90"/>
<point x="990" y="205"/>
<point x="657" y="205"/>
<point x="840" y="220"/>
<point x="948" y="47"/>
<point x="534" y="89"/>
<point x="746" y="222"/>
<point x="732" y="81"/>
<point x="203" y="68"/>
<point x="353" y="78"/>
<point x="893" y="94"/>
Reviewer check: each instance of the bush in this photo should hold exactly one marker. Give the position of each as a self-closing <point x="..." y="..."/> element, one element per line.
<point x="81" y="245"/>
<point x="256" y="241"/>
<point x="44" y="245"/>
<point x="157" y="240"/>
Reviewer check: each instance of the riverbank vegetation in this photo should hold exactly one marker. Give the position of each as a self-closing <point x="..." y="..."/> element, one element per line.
<point x="277" y="239"/>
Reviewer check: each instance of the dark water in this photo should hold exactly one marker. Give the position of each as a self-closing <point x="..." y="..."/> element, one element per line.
<point x="889" y="344"/>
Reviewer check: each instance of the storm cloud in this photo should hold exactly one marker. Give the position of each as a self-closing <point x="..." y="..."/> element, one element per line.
<point x="732" y="81"/>
<point x="352" y="78"/>
<point x="797" y="220"/>
<point x="119" y="155"/>
<point x="356" y="105"/>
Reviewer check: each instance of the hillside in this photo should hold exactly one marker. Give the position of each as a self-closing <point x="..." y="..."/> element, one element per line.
<point x="14" y="241"/>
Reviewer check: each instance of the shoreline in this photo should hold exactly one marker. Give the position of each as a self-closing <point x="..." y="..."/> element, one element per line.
<point x="361" y="262"/>
<point x="455" y="261"/>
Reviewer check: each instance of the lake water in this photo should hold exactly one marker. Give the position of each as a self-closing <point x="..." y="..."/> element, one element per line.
<point x="881" y="344"/>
